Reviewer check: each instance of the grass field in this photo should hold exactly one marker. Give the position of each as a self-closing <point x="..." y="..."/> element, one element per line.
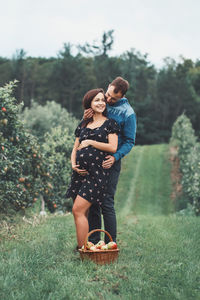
<point x="159" y="251"/>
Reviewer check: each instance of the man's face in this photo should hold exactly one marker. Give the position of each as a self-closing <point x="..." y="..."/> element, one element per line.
<point x="111" y="96"/>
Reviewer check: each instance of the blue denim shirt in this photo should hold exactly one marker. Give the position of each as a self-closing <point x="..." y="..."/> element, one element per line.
<point x="125" y="116"/>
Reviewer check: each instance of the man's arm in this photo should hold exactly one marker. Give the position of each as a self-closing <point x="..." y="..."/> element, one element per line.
<point x="128" y="136"/>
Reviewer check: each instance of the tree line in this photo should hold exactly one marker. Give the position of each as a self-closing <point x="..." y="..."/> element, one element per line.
<point x="158" y="96"/>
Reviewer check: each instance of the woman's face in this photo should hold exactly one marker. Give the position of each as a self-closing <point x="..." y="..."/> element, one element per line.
<point x="98" y="103"/>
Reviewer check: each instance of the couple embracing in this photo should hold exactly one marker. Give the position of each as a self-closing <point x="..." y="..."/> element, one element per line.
<point x="104" y="136"/>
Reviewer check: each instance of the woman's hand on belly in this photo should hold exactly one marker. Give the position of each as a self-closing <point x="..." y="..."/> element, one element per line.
<point x="81" y="172"/>
<point x="84" y="144"/>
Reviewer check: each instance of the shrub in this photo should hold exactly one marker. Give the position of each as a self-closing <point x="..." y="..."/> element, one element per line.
<point x="57" y="149"/>
<point x="188" y="153"/>
<point x="24" y="175"/>
<point x="41" y="119"/>
<point x="18" y="164"/>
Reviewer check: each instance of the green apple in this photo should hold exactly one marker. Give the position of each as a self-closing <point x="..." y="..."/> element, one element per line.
<point x="112" y="245"/>
<point x="104" y="247"/>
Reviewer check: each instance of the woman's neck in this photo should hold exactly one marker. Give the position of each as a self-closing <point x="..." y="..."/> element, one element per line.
<point x="98" y="117"/>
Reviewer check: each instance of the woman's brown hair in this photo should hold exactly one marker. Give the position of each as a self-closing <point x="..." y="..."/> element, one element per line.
<point x="87" y="99"/>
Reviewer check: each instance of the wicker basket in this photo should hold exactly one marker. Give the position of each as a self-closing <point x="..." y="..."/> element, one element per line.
<point x="101" y="257"/>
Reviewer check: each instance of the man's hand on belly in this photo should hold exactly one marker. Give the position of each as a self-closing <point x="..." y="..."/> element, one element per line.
<point x="81" y="172"/>
<point x="107" y="164"/>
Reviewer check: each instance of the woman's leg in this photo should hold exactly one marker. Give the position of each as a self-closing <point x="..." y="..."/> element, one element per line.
<point x="80" y="209"/>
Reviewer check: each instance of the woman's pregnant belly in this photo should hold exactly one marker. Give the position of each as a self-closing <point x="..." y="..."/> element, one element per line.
<point x="88" y="157"/>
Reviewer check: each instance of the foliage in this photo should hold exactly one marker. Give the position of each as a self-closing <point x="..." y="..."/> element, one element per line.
<point x="41" y="119"/>
<point x="18" y="166"/>
<point x="188" y="152"/>
<point x="99" y="49"/>
<point x="24" y="174"/>
<point x="57" y="149"/>
<point x="157" y="96"/>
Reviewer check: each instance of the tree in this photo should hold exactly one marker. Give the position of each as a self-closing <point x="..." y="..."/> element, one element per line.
<point x="101" y="49"/>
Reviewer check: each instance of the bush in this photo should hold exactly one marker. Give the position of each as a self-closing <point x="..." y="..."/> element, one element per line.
<point x="57" y="149"/>
<point x="18" y="164"/>
<point x="24" y="175"/>
<point x="41" y="119"/>
<point x="188" y="153"/>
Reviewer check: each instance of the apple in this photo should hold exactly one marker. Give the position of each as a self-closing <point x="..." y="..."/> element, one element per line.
<point x="5" y="121"/>
<point x="112" y="245"/>
<point x="93" y="248"/>
<point x="89" y="245"/>
<point x="21" y="179"/>
<point x="49" y="185"/>
<point x="3" y="109"/>
<point x="104" y="247"/>
<point x="100" y="244"/>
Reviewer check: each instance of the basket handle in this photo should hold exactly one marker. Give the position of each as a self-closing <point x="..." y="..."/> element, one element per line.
<point x="91" y="232"/>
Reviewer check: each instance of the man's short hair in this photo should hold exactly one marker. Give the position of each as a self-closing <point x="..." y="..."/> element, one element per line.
<point x="121" y="85"/>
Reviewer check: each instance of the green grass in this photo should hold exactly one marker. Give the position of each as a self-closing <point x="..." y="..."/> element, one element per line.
<point x="159" y="252"/>
<point x="145" y="184"/>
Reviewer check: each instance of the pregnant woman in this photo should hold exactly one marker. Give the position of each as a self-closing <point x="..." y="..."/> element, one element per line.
<point x="95" y="139"/>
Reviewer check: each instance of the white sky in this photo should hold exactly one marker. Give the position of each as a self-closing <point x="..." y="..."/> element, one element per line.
<point x="160" y="28"/>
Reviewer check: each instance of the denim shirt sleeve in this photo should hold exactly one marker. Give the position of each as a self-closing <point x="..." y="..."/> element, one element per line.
<point x="128" y="135"/>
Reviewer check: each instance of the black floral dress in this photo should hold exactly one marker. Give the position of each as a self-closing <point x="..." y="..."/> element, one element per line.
<point x="92" y="186"/>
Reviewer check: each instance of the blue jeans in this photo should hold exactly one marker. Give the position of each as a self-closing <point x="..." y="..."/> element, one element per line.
<point x="107" y="209"/>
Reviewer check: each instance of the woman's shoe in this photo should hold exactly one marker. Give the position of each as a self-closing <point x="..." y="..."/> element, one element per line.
<point x="76" y="249"/>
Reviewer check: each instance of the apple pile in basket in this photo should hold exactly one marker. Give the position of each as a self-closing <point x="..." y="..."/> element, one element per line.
<point x="101" y="245"/>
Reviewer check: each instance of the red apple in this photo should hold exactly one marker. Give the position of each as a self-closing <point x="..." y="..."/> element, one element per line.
<point x="3" y="109"/>
<point x="112" y="245"/>
<point x="100" y="244"/>
<point x="22" y="179"/>
<point x="89" y="245"/>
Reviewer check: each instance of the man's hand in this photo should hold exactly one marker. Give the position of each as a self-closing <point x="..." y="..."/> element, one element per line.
<point x="79" y="171"/>
<point x="88" y="113"/>
<point x="107" y="164"/>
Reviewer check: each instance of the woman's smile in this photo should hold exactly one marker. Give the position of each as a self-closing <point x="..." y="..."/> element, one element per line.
<point x="98" y="104"/>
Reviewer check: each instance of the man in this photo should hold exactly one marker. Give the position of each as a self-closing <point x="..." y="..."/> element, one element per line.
<point x="120" y="110"/>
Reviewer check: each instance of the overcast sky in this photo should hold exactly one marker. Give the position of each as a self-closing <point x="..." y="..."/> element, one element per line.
<point x="160" y="28"/>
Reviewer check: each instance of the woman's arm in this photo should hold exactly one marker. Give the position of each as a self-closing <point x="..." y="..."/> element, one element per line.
<point x="74" y="150"/>
<point x="111" y="146"/>
<point x="73" y="159"/>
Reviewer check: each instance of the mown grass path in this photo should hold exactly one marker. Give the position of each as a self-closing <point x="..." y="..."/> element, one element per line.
<point x="159" y="251"/>
<point x="145" y="183"/>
